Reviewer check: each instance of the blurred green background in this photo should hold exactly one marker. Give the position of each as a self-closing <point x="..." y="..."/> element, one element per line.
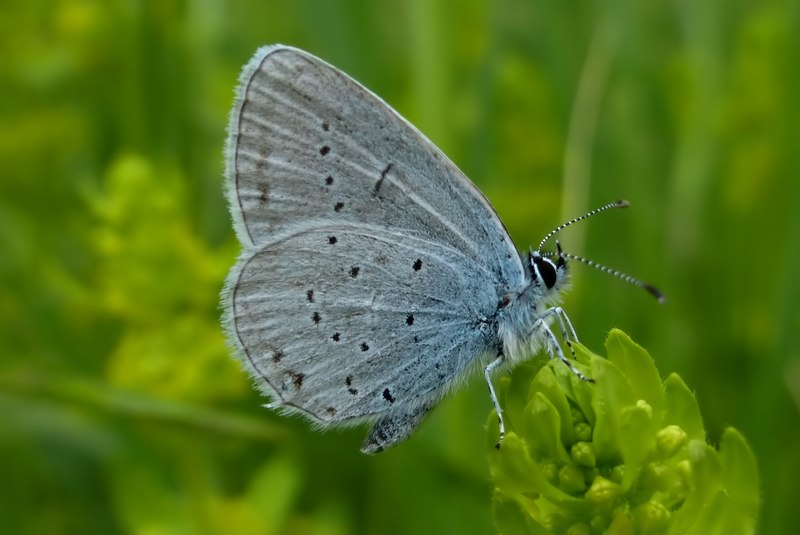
<point x="120" y="409"/>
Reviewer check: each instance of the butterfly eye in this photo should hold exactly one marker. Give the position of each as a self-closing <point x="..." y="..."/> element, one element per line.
<point x="547" y="271"/>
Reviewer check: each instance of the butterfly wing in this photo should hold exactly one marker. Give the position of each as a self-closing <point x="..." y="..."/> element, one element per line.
<point x="345" y="322"/>
<point x="313" y="157"/>
<point x="308" y="142"/>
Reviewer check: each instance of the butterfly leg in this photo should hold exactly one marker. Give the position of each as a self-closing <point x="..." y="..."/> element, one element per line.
<point x="394" y="428"/>
<point x="556" y="348"/>
<point x="567" y="330"/>
<point x="566" y="325"/>
<point x="487" y="371"/>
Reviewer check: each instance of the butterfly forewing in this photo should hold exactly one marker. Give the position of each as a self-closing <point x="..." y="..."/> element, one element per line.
<point x="324" y="177"/>
<point x="308" y="142"/>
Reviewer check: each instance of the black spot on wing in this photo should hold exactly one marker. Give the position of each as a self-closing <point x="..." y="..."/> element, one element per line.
<point x="324" y="150"/>
<point x="387" y="395"/>
<point x="385" y="172"/>
<point x="297" y="379"/>
<point x="417" y="264"/>
<point x="348" y="381"/>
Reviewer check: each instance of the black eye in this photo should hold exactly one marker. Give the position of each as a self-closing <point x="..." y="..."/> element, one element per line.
<point x="547" y="270"/>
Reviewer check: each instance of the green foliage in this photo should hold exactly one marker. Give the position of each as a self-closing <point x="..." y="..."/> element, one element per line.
<point x="627" y="454"/>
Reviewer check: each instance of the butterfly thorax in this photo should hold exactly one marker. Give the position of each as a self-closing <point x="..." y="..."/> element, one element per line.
<point x="521" y="322"/>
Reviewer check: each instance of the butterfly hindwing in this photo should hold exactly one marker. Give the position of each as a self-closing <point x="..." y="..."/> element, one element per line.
<point x="345" y="322"/>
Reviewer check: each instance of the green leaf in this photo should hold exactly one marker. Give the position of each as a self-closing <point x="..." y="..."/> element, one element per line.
<point x="682" y="409"/>
<point x="636" y="440"/>
<point x="543" y="428"/>
<point x="637" y="366"/>
<point x="611" y="393"/>
<point x="739" y="478"/>
<point x="512" y="519"/>
<point x="548" y="385"/>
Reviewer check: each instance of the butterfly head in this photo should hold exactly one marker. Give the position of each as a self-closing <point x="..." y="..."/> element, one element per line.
<point x="549" y="270"/>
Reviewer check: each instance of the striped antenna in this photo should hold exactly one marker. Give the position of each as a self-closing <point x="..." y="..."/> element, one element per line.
<point x="615" y="204"/>
<point x="649" y="288"/>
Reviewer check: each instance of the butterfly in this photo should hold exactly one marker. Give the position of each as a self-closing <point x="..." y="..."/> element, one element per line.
<point x="374" y="276"/>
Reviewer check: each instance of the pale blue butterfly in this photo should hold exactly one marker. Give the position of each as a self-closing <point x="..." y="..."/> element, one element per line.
<point x="374" y="275"/>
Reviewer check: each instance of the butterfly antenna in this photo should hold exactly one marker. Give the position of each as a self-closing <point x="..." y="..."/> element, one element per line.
<point x="649" y="288"/>
<point x="615" y="204"/>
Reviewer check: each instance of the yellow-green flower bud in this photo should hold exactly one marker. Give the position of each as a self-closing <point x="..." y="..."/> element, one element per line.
<point x="670" y="439"/>
<point x="583" y="454"/>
